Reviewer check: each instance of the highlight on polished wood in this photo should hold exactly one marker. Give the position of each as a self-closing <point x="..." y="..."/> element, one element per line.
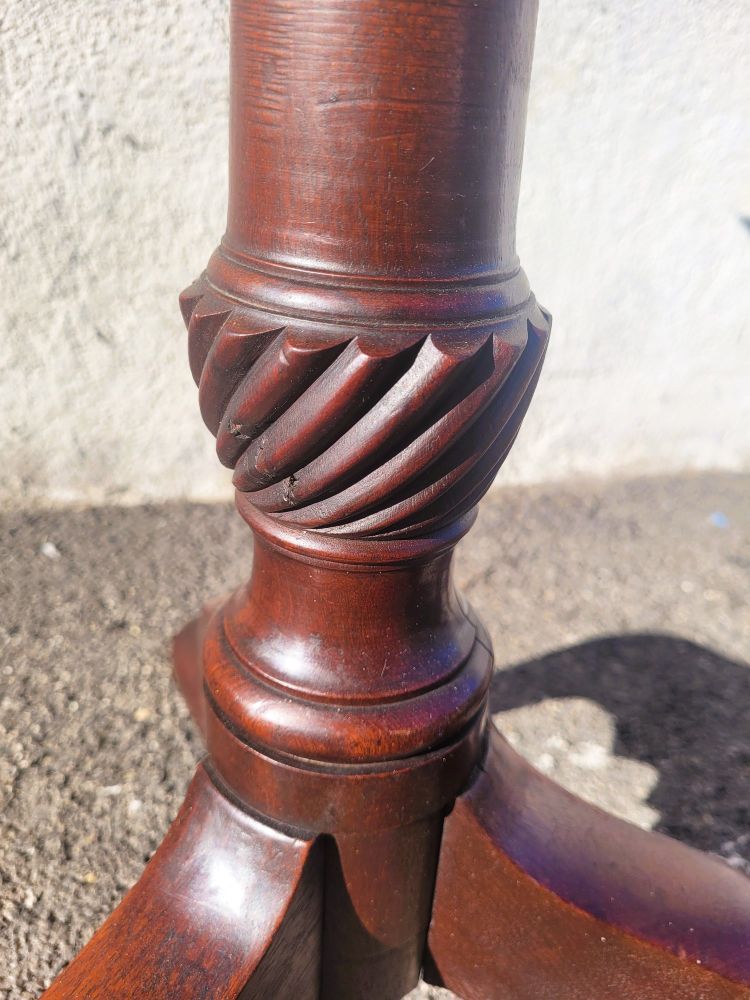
<point x="365" y="346"/>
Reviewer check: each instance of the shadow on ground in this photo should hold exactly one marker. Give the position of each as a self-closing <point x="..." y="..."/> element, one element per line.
<point x="676" y="706"/>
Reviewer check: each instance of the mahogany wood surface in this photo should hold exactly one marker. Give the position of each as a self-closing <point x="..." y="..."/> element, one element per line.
<point x="226" y="907"/>
<point x="365" y="346"/>
<point x="541" y="896"/>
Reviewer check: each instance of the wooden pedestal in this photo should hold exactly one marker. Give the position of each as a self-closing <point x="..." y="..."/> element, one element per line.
<point x="366" y="345"/>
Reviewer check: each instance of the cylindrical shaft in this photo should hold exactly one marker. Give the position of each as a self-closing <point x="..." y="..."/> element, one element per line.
<point x="379" y="138"/>
<point x="366" y="346"/>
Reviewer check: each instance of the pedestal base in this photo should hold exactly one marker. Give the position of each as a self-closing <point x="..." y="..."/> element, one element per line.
<point x="538" y="895"/>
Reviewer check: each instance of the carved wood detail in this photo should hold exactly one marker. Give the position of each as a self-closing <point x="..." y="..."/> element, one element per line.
<point x="390" y="429"/>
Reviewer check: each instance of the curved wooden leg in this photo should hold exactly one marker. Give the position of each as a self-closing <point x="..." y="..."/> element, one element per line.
<point x="541" y="896"/>
<point x="226" y="908"/>
<point x="187" y="662"/>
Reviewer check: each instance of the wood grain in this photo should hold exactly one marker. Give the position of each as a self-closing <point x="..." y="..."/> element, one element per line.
<point x="364" y="339"/>
<point x="227" y="907"/>
<point x="540" y="895"/>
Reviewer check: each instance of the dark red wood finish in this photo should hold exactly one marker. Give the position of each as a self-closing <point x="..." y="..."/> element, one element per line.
<point x="226" y="907"/>
<point x="365" y="346"/>
<point x="541" y="896"/>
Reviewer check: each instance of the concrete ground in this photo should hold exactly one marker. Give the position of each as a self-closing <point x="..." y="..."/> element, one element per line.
<point x="621" y="623"/>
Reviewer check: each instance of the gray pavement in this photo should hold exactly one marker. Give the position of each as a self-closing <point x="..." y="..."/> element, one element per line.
<point x="621" y="623"/>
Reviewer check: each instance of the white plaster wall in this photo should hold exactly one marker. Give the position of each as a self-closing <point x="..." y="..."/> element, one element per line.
<point x="112" y="196"/>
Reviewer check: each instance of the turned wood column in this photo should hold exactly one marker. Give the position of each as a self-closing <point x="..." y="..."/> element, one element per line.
<point x="366" y="346"/>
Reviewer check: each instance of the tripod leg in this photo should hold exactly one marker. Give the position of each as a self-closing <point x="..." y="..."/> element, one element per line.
<point x="541" y="896"/>
<point x="187" y="662"/>
<point x="226" y="908"/>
